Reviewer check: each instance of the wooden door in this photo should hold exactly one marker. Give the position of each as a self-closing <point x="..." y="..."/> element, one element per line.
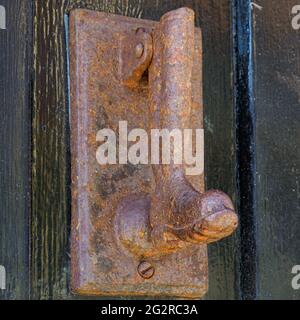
<point x="251" y="71"/>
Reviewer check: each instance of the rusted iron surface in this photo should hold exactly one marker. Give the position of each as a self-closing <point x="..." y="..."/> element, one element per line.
<point x="176" y="207"/>
<point x="138" y="229"/>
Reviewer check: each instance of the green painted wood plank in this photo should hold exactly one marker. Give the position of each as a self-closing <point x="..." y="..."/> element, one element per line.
<point x="15" y="60"/>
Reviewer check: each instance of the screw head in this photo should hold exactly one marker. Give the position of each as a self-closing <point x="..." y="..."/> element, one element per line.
<point x="146" y="270"/>
<point x="139" y="50"/>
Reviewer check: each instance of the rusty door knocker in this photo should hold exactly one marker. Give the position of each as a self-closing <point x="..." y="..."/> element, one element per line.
<point x="139" y="230"/>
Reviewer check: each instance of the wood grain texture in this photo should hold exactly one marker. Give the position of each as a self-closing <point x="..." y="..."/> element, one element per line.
<point x="50" y="176"/>
<point x="15" y="62"/>
<point x="276" y="80"/>
<point x="50" y="218"/>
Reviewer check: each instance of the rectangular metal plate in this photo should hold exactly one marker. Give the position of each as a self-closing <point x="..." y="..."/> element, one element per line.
<point x="100" y="266"/>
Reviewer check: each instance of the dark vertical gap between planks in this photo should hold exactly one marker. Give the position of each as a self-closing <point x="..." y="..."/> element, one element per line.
<point x="245" y="141"/>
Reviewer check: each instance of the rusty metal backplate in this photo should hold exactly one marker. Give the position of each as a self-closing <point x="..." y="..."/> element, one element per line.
<point x="100" y="265"/>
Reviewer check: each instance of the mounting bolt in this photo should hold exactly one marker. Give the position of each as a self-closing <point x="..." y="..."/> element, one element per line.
<point x="146" y="270"/>
<point x="139" y="50"/>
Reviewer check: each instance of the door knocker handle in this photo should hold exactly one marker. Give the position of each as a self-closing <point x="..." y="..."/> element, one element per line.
<point x="132" y="224"/>
<point x="175" y="213"/>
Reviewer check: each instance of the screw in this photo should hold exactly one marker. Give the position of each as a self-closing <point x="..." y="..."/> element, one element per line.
<point x="139" y="50"/>
<point x="146" y="270"/>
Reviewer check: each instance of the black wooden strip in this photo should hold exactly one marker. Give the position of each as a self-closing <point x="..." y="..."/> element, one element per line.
<point x="15" y="60"/>
<point x="267" y="72"/>
<point x="245" y="139"/>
